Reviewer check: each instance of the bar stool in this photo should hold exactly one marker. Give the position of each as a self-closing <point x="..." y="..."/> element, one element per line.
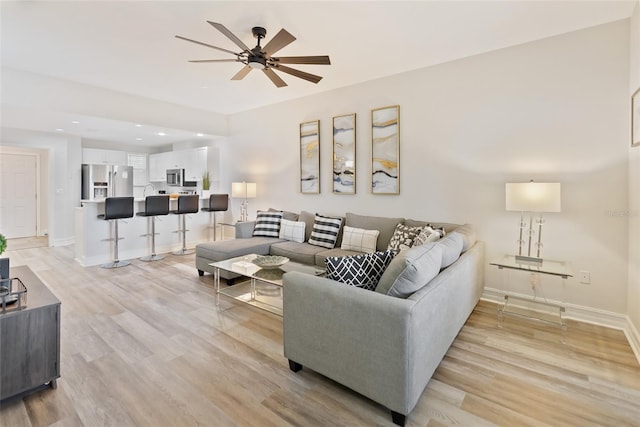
<point x="217" y="203"/>
<point x="116" y="208"/>
<point x="153" y="207"/>
<point x="187" y="204"/>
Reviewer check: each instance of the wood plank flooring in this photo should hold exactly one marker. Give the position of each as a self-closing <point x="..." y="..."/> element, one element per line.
<point x="146" y="345"/>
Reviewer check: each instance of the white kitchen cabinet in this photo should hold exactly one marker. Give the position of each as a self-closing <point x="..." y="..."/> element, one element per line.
<point x="99" y="156"/>
<point x="193" y="161"/>
<point x="158" y="165"/>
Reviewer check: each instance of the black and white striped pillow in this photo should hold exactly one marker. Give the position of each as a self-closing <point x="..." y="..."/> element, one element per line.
<point x="267" y="224"/>
<point x="325" y="231"/>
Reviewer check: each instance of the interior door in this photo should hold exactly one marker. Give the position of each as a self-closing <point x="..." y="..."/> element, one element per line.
<point x="18" y="211"/>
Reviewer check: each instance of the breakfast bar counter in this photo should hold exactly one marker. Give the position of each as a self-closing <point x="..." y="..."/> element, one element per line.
<point x="91" y="233"/>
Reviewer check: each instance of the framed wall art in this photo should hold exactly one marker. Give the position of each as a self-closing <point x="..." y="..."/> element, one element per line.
<point x="385" y="150"/>
<point x="635" y="118"/>
<point x="310" y="157"/>
<point x="344" y="154"/>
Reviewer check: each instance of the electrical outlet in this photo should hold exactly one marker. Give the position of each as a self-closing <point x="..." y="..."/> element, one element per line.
<point x="585" y="277"/>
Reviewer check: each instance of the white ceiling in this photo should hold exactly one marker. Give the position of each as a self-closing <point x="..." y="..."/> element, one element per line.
<point x="129" y="46"/>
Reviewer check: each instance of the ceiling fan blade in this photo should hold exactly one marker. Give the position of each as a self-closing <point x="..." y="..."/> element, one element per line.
<point x="215" y="60"/>
<point x="224" y="30"/>
<point x="280" y="40"/>
<point x="301" y="74"/>
<point x="207" y="45"/>
<point x="313" y="60"/>
<point x="242" y="73"/>
<point x="274" y="77"/>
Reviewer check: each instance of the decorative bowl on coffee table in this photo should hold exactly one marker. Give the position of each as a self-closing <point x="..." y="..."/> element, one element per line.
<point x="269" y="262"/>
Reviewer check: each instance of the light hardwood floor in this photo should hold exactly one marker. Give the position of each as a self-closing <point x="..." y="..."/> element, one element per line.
<point x="146" y="345"/>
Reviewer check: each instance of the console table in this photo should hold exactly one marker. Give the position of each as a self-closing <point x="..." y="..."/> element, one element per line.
<point x="549" y="267"/>
<point x="30" y="339"/>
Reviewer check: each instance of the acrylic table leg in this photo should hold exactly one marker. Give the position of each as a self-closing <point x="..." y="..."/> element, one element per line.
<point x="216" y="284"/>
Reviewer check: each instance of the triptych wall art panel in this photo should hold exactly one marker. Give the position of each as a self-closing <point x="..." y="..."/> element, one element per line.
<point x="344" y="154"/>
<point x="385" y="153"/>
<point x="310" y="157"/>
<point x="385" y="150"/>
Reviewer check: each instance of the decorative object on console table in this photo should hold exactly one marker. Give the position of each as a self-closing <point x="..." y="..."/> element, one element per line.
<point x="243" y="190"/>
<point x="310" y="157"/>
<point x="385" y="150"/>
<point x="532" y="197"/>
<point x="4" y="262"/>
<point x="635" y="118"/>
<point x="344" y="154"/>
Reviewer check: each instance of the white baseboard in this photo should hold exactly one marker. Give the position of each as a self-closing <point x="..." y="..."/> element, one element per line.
<point x="62" y="242"/>
<point x="583" y="314"/>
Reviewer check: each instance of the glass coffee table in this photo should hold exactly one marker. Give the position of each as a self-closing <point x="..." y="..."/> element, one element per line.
<point x="264" y="287"/>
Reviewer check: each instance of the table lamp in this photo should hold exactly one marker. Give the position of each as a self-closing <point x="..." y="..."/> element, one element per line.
<point x="243" y="190"/>
<point x="532" y="197"/>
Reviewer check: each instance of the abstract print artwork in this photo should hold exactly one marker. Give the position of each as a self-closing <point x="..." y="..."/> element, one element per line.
<point x="310" y="157"/>
<point x="385" y="150"/>
<point x="344" y="154"/>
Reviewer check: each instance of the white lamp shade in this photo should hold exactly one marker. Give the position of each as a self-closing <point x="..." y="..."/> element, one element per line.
<point x="533" y="197"/>
<point x="243" y="190"/>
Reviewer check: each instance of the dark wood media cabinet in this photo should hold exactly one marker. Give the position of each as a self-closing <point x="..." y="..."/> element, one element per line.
<point x="30" y="340"/>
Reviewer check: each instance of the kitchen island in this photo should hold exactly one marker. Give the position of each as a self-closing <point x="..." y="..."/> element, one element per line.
<point x="92" y="248"/>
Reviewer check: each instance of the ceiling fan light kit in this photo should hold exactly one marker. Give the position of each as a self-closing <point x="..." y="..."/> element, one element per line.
<point x="260" y="58"/>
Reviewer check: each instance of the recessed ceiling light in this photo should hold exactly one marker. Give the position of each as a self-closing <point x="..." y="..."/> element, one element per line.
<point x="75" y="122"/>
<point x="138" y="139"/>
<point x="161" y="133"/>
<point x="199" y="134"/>
<point x="60" y="129"/>
<point x="138" y="125"/>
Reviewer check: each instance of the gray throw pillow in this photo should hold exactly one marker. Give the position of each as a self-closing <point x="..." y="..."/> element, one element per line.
<point x="468" y="236"/>
<point x="411" y="270"/>
<point x="451" y="245"/>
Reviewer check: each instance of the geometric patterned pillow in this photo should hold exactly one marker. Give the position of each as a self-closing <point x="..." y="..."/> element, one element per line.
<point x="363" y="271"/>
<point x="428" y="234"/>
<point x="403" y="237"/>
<point x="292" y="230"/>
<point x="359" y="240"/>
<point x="267" y="224"/>
<point x="325" y="231"/>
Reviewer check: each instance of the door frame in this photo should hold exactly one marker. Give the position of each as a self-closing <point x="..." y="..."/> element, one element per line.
<point x="27" y="152"/>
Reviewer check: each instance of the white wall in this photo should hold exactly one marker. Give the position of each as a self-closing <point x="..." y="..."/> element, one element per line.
<point x="551" y="110"/>
<point x="634" y="182"/>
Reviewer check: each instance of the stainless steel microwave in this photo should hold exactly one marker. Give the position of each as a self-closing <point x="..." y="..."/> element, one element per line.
<point x="175" y="177"/>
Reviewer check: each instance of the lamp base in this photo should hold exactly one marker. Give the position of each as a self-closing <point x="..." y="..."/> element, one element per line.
<point x="529" y="260"/>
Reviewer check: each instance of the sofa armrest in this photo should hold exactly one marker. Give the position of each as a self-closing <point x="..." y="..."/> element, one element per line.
<point x="356" y="337"/>
<point x="244" y="230"/>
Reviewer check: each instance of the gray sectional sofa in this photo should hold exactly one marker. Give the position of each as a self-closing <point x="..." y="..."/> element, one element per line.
<point x="381" y="346"/>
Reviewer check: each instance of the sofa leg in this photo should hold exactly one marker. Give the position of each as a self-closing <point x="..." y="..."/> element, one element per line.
<point x="294" y="366"/>
<point x="398" y="419"/>
<point x="200" y="273"/>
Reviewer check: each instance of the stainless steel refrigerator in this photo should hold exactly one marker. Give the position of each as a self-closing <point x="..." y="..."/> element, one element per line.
<point x="100" y="181"/>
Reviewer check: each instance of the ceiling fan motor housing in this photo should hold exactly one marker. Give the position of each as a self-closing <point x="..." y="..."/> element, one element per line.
<point x="256" y="61"/>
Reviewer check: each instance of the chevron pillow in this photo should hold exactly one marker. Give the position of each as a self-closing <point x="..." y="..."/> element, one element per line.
<point x="363" y="271"/>
<point x="267" y="224"/>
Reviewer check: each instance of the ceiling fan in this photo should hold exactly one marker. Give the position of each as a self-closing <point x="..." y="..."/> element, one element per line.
<point x="260" y="57"/>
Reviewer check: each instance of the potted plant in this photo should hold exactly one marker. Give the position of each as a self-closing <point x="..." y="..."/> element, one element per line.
<point x="206" y="184"/>
<point x="4" y="262"/>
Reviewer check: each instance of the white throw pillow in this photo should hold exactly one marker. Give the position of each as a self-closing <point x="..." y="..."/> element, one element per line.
<point x="359" y="239"/>
<point x="292" y="230"/>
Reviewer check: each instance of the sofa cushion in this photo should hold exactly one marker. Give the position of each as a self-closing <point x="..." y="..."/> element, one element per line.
<point x="298" y="252"/>
<point x="362" y="270"/>
<point x="292" y="230"/>
<point x="468" y="236"/>
<point x="451" y="246"/>
<point x="321" y="257"/>
<point x="448" y="227"/>
<point x="225" y="249"/>
<point x="411" y="270"/>
<point x="267" y="224"/>
<point x="359" y="239"/>
<point x="403" y="237"/>
<point x="385" y="226"/>
<point x="308" y="218"/>
<point x="325" y="231"/>
<point x="290" y="216"/>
